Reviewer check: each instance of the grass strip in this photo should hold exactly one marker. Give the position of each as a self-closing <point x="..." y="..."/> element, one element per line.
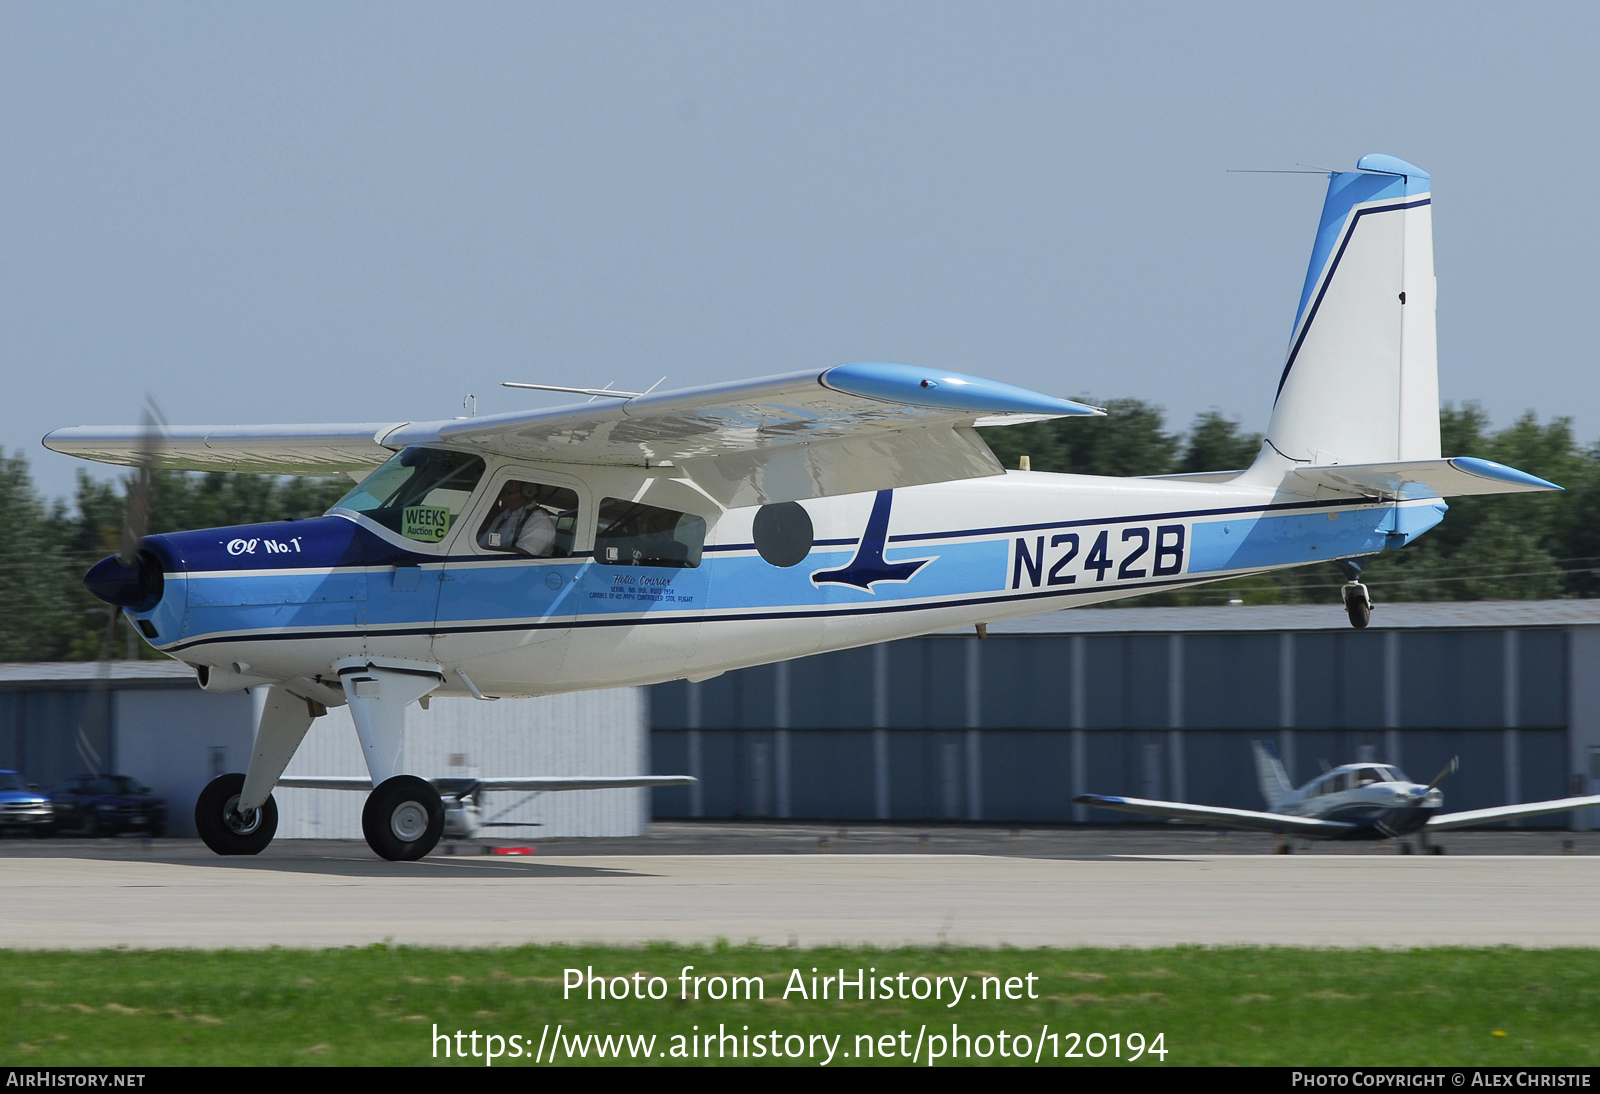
<point x="381" y="1004"/>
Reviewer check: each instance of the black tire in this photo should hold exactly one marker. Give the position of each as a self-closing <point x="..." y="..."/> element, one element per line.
<point x="1359" y="609"/>
<point x="223" y="830"/>
<point x="403" y="819"/>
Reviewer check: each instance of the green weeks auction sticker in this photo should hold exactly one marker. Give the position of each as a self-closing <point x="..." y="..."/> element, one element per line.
<point x="428" y="523"/>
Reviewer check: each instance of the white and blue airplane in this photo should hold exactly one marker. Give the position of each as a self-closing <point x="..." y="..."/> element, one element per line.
<point x="639" y="538"/>
<point x="1360" y="801"/>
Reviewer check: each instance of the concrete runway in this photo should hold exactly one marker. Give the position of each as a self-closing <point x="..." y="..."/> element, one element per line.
<point x="317" y="895"/>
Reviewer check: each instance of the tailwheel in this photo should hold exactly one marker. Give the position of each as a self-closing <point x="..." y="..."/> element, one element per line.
<point x="1357" y="604"/>
<point x="224" y="828"/>
<point x="403" y="818"/>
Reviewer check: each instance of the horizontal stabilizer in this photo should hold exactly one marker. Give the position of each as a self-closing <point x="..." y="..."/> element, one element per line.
<point x="1219" y="817"/>
<point x="1411" y="479"/>
<point x="1510" y="812"/>
<point x="512" y="782"/>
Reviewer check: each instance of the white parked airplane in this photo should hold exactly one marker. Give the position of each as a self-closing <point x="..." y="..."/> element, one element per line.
<point x="638" y="538"/>
<point x="1364" y="801"/>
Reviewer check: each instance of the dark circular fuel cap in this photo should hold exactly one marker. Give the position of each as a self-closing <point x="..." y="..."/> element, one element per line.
<point x="783" y="533"/>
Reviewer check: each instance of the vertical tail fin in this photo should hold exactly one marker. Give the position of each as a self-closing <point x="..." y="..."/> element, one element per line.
<point x="1361" y="382"/>
<point x="1270" y="775"/>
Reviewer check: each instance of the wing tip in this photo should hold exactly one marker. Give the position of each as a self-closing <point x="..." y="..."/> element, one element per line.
<point x="1499" y="472"/>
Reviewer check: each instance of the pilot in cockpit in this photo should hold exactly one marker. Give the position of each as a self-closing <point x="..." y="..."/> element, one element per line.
<point x="520" y="524"/>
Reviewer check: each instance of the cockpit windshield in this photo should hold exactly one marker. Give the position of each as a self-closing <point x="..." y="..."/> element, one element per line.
<point x="418" y="494"/>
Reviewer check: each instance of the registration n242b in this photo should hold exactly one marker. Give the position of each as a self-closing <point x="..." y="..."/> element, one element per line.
<point x="1124" y="554"/>
<point x="1096" y="1045"/>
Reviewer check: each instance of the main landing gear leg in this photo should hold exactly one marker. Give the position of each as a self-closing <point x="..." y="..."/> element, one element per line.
<point x="404" y="815"/>
<point x="1357" y="600"/>
<point x="236" y="814"/>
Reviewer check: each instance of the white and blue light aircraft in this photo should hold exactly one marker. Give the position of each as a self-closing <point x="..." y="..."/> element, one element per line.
<point x="1360" y="801"/>
<point x="638" y="538"/>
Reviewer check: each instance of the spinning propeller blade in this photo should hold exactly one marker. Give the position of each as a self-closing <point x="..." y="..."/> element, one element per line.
<point x="95" y="723"/>
<point x="136" y="520"/>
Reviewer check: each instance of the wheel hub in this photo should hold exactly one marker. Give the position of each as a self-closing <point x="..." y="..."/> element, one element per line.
<point x="408" y="821"/>
<point x="240" y="824"/>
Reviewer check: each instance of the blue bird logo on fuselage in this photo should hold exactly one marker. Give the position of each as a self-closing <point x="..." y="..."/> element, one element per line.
<point x="869" y="566"/>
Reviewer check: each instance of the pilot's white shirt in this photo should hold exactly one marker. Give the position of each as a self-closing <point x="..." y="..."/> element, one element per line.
<point x="538" y="532"/>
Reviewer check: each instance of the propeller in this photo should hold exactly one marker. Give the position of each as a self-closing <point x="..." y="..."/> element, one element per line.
<point x="123" y="580"/>
<point x="1444" y="773"/>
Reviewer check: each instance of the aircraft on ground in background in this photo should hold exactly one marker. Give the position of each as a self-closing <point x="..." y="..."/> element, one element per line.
<point x="463" y="797"/>
<point x="645" y="537"/>
<point x="1361" y="801"/>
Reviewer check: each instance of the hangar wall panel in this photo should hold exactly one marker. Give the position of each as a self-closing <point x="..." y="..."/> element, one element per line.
<point x="1008" y="729"/>
<point x="584" y="733"/>
<point x="175" y="741"/>
<point x="38" y="734"/>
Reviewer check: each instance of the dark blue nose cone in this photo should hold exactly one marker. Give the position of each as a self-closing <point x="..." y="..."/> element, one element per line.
<point x="137" y="586"/>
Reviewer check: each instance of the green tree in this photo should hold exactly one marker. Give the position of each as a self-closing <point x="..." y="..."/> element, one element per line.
<point x="1130" y="440"/>
<point x="1216" y="443"/>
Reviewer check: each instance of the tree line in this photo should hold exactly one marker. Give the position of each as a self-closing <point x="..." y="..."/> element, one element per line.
<point x="1529" y="546"/>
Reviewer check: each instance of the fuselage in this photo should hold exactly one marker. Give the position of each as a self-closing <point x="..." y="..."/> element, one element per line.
<point x="1378" y="799"/>
<point x="286" y="600"/>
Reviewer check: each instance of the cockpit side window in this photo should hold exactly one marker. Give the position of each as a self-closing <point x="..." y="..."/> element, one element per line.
<point x="418" y="494"/>
<point x="1366" y="776"/>
<point x="531" y="519"/>
<point x="631" y="533"/>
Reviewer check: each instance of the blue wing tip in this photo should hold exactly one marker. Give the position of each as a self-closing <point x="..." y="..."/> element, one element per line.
<point x="932" y="387"/>
<point x="1499" y="472"/>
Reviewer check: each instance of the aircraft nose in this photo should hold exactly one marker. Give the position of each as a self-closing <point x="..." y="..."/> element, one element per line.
<point x="136" y="585"/>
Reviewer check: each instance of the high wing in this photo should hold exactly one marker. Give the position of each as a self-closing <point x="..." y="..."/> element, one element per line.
<point x="848" y="429"/>
<point x="1215" y="815"/>
<point x="513" y="782"/>
<point x="1510" y="812"/>
<point x="333" y="449"/>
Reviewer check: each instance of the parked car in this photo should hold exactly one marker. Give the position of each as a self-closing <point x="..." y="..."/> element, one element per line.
<point x="22" y="806"/>
<point x="107" y="805"/>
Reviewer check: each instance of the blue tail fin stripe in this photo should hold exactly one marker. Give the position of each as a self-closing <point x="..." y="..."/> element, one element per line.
<point x="1344" y="241"/>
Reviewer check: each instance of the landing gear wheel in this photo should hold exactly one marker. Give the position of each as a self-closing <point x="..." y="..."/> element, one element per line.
<point x="1357" y="604"/>
<point x="224" y="829"/>
<point x="403" y="818"/>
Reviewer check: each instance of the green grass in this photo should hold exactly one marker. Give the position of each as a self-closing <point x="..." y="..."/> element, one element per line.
<point x="1214" y="1006"/>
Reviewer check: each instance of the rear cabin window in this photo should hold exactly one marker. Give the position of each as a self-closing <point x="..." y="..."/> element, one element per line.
<point x="418" y="494"/>
<point x="631" y="533"/>
<point x="531" y="519"/>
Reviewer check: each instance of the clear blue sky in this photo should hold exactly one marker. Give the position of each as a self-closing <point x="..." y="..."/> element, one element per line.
<point x="281" y="212"/>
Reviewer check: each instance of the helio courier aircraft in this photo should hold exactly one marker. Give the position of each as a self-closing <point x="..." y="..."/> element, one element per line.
<point x="1361" y="801"/>
<point x="643" y="537"/>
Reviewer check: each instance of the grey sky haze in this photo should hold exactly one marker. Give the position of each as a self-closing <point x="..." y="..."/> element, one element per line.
<point x="363" y="212"/>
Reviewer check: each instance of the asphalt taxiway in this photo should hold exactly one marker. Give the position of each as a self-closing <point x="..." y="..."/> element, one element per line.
<point x="876" y="886"/>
